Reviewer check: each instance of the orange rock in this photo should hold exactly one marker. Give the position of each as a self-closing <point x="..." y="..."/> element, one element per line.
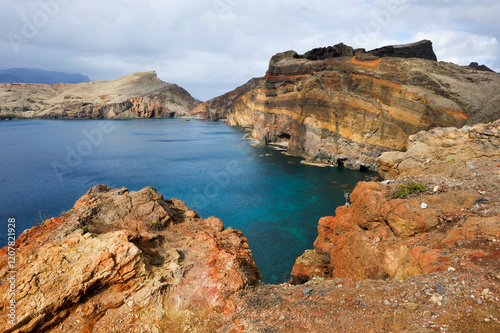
<point x="125" y="260"/>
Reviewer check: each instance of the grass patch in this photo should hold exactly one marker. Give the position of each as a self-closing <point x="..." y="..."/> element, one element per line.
<point x="411" y="188"/>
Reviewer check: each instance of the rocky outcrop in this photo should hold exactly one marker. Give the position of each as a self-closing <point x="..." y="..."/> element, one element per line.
<point x="450" y="152"/>
<point x="484" y="68"/>
<point x="422" y="50"/>
<point x="138" y="95"/>
<point x="121" y="261"/>
<point x="339" y="104"/>
<point x="388" y="232"/>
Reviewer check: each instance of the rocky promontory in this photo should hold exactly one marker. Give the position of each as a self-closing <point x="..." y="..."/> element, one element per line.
<point x="138" y="95"/>
<point x="339" y="104"/>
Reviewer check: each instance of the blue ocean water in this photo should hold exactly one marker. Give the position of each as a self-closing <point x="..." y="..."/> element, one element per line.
<point x="46" y="165"/>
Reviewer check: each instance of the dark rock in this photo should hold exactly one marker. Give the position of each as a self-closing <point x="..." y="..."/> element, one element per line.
<point x="439" y="289"/>
<point x="422" y="49"/>
<point x="481" y="201"/>
<point x="483" y="68"/>
<point x="321" y="53"/>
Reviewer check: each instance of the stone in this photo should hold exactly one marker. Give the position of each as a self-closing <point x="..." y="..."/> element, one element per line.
<point x="480" y="201"/>
<point x="307" y="291"/>
<point x="436" y="299"/>
<point x="439" y="289"/>
<point x="423" y="205"/>
<point x="410" y="306"/>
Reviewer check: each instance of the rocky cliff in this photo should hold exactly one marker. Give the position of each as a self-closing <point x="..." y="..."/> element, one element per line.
<point x="340" y="104"/>
<point x="443" y="206"/>
<point x="120" y="261"/>
<point x="138" y="95"/>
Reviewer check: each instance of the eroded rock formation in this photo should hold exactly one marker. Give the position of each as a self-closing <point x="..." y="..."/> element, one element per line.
<point x="138" y="95"/>
<point x="446" y="151"/>
<point x="382" y="235"/>
<point x="339" y="104"/>
<point x="120" y="261"/>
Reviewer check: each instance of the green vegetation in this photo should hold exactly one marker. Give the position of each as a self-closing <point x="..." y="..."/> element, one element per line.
<point x="155" y="225"/>
<point x="411" y="188"/>
<point x="450" y="159"/>
<point x="152" y="190"/>
<point x="85" y="229"/>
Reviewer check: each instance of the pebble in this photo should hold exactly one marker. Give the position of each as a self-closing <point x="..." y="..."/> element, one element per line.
<point x="436" y="299"/>
<point x="410" y="306"/>
<point x="423" y="205"/>
<point x="479" y="302"/>
<point x="282" y="318"/>
<point x="437" y="188"/>
<point x="439" y="289"/>
<point x="306" y="291"/>
<point x="485" y="292"/>
<point x="387" y="302"/>
<point x="480" y="201"/>
<point x="427" y="313"/>
<point x="394" y="305"/>
<point x="451" y="269"/>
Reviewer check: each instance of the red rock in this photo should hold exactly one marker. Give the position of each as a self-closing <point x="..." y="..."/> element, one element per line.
<point x="125" y="260"/>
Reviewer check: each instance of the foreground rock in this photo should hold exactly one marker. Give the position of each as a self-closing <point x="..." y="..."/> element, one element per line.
<point x="121" y="261"/>
<point x="138" y="95"/>
<point x="345" y="105"/>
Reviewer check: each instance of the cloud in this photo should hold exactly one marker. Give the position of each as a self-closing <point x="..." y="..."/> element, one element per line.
<point x="208" y="46"/>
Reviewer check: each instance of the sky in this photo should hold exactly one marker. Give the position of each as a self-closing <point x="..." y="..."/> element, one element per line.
<point x="209" y="47"/>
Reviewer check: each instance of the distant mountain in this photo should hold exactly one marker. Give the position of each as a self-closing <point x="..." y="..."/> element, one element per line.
<point x="9" y="78"/>
<point x="35" y="75"/>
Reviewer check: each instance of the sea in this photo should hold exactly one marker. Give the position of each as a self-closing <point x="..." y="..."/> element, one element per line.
<point x="47" y="165"/>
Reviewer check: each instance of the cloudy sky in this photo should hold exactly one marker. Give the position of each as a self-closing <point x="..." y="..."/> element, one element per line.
<point x="211" y="46"/>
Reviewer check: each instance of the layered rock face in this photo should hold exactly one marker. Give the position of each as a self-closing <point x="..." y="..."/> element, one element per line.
<point x="120" y="261"/>
<point x="138" y="95"/>
<point x="339" y="104"/>
<point x="380" y="236"/>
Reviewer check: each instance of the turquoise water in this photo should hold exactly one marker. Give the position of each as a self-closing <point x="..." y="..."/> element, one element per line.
<point x="46" y="165"/>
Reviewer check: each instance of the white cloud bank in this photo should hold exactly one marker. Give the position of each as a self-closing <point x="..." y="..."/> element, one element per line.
<point x="210" y="47"/>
